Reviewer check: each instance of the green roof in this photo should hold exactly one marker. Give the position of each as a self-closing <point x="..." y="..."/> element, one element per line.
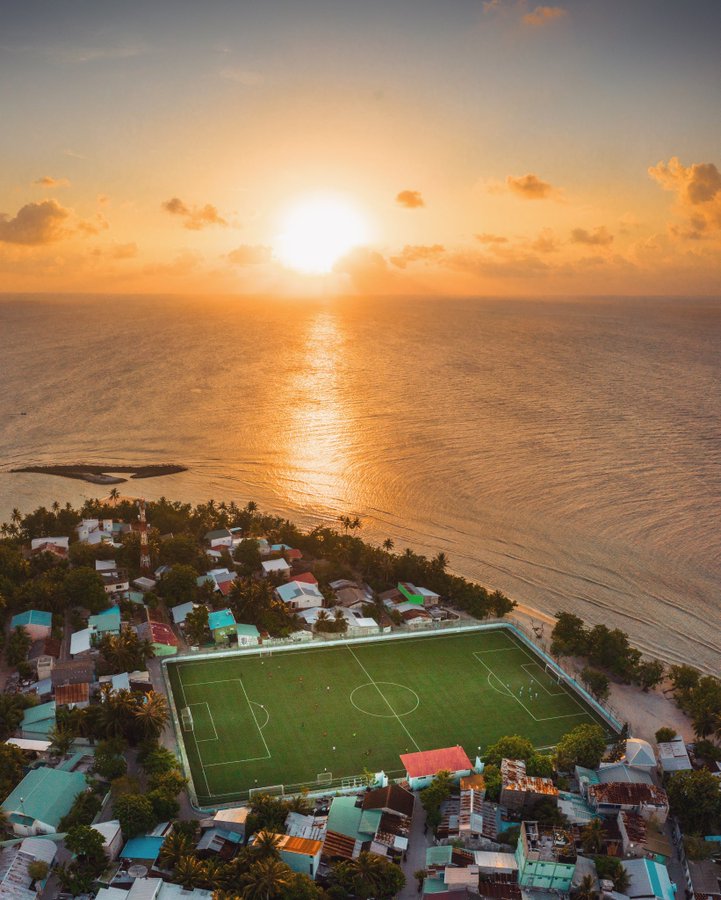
<point x="344" y="817"/>
<point x="108" y="620"/>
<point x="247" y="630"/>
<point x="39" y="719"/>
<point x="434" y="886"/>
<point x="45" y="795"/>
<point x="439" y="856"/>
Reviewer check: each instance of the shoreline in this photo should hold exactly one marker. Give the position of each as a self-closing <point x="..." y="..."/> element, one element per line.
<point x="99" y="474"/>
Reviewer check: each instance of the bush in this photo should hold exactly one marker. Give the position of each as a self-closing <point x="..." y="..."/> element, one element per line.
<point x="583" y="746"/>
<point x="665" y="734"/>
<point x="83" y="811"/>
<point x="135" y="814"/>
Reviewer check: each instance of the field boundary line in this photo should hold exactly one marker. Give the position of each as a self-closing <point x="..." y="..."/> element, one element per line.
<point x="526" y="666"/>
<point x="372" y="681"/>
<point x="566" y="689"/>
<point x="212" y="722"/>
<point x="252" y="712"/>
<point x="197" y="748"/>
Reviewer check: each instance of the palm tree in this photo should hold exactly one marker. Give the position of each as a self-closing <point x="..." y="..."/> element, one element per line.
<point x="592" y="836"/>
<point x="55" y="507"/>
<point x="117" y="713"/>
<point x="214" y="874"/>
<point x="251" y="506"/>
<point x="114" y="494"/>
<point x="440" y="561"/>
<point x="621" y="879"/>
<point x="189" y="871"/>
<point x="265" y="845"/>
<point x="152" y="715"/>
<point x="61" y="740"/>
<point x="175" y="846"/>
<point x="15" y="516"/>
<point x="388" y="545"/>
<point x="586" y="890"/>
<point x="266" y="880"/>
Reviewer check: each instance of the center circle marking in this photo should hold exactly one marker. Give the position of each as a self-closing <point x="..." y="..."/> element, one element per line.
<point x="413" y="699"/>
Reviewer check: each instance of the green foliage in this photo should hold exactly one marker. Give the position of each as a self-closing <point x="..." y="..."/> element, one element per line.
<point x="510" y="836"/>
<point x="492" y="775"/>
<point x="254" y="603"/>
<point x="707" y="750"/>
<point x="196" y="626"/>
<point x="247" y="556"/>
<point x="695" y="799"/>
<point x="665" y="734"/>
<point x="433" y="796"/>
<point x="38" y="870"/>
<point x="12" y="760"/>
<point x="684" y="680"/>
<point x="267" y="813"/>
<point x="164" y="805"/>
<point x="583" y="746"/>
<point x="155" y="759"/>
<point x="86" y="842"/>
<point x="516" y="747"/>
<point x="610" y="868"/>
<point x="368" y="876"/>
<point x="596" y="682"/>
<point x="569" y="636"/>
<point x="83" y="587"/>
<point x="109" y="763"/>
<point x="697" y="848"/>
<point x="179" y="585"/>
<point x="545" y="811"/>
<point x="82" y="812"/>
<point x="135" y="814"/>
<point x="123" y="652"/>
<point x="11" y="713"/>
<point x="16" y="649"/>
<point x="649" y="673"/>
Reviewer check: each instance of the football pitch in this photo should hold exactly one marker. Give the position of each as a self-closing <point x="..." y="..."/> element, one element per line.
<point x="313" y="716"/>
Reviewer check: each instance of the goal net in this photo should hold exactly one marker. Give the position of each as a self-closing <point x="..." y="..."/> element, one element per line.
<point x="553" y="673"/>
<point x="186" y="717"/>
<point x="324" y="777"/>
<point x="274" y="790"/>
<point x="265" y="651"/>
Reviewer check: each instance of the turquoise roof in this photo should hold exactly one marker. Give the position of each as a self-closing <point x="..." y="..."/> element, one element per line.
<point x="439" y="856"/>
<point x="655" y="874"/>
<point x="247" y="630"/>
<point x="107" y="620"/>
<point x="434" y="886"/>
<point x="32" y="617"/>
<point x="344" y="817"/>
<point x="45" y="795"/>
<point x="136" y="597"/>
<point x="221" y="619"/>
<point x="145" y="847"/>
<point x="39" y="719"/>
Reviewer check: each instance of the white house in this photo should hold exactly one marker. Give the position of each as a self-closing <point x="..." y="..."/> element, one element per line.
<point x="44" y="543"/>
<point x="276" y="567"/>
<point x="81" y="642"/>
<point x="298" y="595"/>
<point x="96" y="531"/>
<point x="112" y="837"/>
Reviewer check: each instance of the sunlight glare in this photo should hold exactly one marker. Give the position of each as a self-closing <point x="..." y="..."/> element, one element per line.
<point x="317" y="232"/>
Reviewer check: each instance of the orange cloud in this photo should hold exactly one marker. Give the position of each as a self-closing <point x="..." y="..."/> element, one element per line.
<point x="543" y="15"/>
<point x="250" y="255"/>
<point x="698" y="194"/>
<point x="49" y="182"/>
<point x="35" y="224"/>
<point x="530" y="187"/>
<point x="417" y="253"/>
<point x="196" y="217"/>
<point x="410" y="199"/>
<point x="599" y="237"/>
<point x="367" y="269"/>
<point x="546" y="242"/>
<point x="486" y="238"/>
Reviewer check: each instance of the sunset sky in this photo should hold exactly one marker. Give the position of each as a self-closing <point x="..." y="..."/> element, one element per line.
<point x="461" y="146"/>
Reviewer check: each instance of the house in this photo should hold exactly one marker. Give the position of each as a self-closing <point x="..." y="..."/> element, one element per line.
<point x="161" y="636"/>
<point x="703" y="879"/>
<point x="639" y="754"/>
<point x="546" y="857"/>
<point x="221" y="537"/>
<point x="298" y="595"/>
<point x="222" y="625"/>
<point x="419" y="596"/>
<point x="153" y="889"/>
<point x="73" y="695"/>
<point x="42" y="798"/>
<point x="301" y="854"/>
<point x="120" y="682"/>
<point x="248" y="635"/>
<point x="232" y="820"/>
<point x="648" y="880"/>
<point x="350" y="829"/>
<point x="471" y="807"/>
<point x="81" y="642"/>
<point x="98" y="531"/>
<point x="143" y="849"/>
<point x="645" y="799"/>
<point x="643" y="838"/>
<point x="73" y="671"/>
<point x="673" y="755"/>
<point x="392" y="799"/>
<point x="180" y="612"/>
<point x="105" y="622"/>
<point x="42" y="655"/>
<point x="112" y="837"/>
<point x="423" y="766"/>
<point x="276" y="567"/>
<point x="37" y="623"/>
<point x="306" y="578"/>
<point x="58" y="546"/>
<point x="114" y="582"/>
<point x="144" y="584"/>
<point x="15" y="861"/>
<point x="520" y="791"/>
<point x="38" y="720"/>
<point x="413" y="616"/>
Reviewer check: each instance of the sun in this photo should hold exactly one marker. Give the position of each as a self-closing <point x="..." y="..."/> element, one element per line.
<point x="317" y="231"/>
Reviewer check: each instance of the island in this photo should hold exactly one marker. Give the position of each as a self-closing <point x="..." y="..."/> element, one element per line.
<point x="100" y="474"/>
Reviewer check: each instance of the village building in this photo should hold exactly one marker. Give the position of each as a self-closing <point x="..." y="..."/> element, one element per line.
<point x="648" y="880"/>
<point x="161" y="636"/>
<point x="248" y="635"/>
<point x="15" y="861"/>
<point x="276" y="567"/>
<point x="297" y="595"/>
<point x="520" y="791"/>
<point x="36" y="623"/>
<point x="42" y="798"/>
<point x="673" y="756"/>
<point x="546" y="857"/>
<point x="422" y="767"/>
<point x="222" y="625"/>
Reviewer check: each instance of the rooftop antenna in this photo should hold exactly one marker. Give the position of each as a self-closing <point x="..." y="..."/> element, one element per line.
<point x="145" y="564"/>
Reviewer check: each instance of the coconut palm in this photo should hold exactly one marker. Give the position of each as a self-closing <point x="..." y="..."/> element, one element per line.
<point x="592" y="836"/>
<point x="61" y="740"/>
<point x="55" y="507"/>
<point x="117" y="713"/>
<point x="266" y="880"/>
<point x="175" y="847"/>
<point x="440" y="561"/>
<point x="586" y="890"/>
<point x="152" y="715"/>
<point x="214" y="875"/>
<point x="265" y="845"/>
<point x="114" y="494"/>
<point x="15" y="516"/>
<point x="621" y="879"/>
<point x="189" y="871"/>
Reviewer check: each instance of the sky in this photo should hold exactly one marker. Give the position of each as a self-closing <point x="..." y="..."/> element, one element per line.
<point x="462" y="147"/>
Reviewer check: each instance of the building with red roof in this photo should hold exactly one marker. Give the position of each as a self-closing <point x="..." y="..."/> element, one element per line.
<point x="306" y="578"/>
<point x="423" y="766"/>
<point x="161" y="636"/>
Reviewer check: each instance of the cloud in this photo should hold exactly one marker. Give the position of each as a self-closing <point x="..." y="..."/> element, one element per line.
<point x="93" y="226"/>
<point x="124" y="251"/>
<point x="196" y="217"/>
<point x="546" y="242"/>
<point x="417" y="253"/>
<point x="35" y="224"/>
<point x="250" y="255"/>
<point x="543" y="15"/>
<point x="530" y="187"/>
<point x="367" y="269"/>
<point x="506" y="262"/>
<point x="486" y="238"/>
<point x="599" y="237"/>
<point x="247" y="77"/>
<point x="410" y="199"/>
<point x="49" y="182"/>
<point x="698" y="194"/>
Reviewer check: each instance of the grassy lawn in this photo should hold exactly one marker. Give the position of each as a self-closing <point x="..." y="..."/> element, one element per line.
<point x="336" y="710"/>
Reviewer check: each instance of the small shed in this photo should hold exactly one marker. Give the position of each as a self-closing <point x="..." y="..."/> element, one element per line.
<point x="36" y="622"/>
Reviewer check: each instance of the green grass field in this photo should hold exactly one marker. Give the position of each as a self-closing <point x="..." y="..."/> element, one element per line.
<point x="335" y="710"/>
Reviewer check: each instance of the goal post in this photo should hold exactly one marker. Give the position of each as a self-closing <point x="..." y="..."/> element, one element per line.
<point x="186" y="718"/>
<point x="273" y="790"/>
<point x="553" y="673"/>
<point x="324" y="777"/>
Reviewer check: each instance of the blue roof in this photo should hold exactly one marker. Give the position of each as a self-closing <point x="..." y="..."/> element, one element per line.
<point x="107" y="620"/>
<point x="145" y="847"/>
<point x="44" y="794"/>
<point x="645" y="874"/>
<point x="220" y="619"/>
<point x="247" y="630"/>
<point x="181" y="611"/>
<point x="32" y="617"/>
<point x="39" y="719"/>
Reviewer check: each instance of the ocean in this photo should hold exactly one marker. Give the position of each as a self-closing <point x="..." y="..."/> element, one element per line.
<point x="566" y="452"/>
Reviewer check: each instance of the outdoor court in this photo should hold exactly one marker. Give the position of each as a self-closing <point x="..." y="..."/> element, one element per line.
<point x="316" y="716"/>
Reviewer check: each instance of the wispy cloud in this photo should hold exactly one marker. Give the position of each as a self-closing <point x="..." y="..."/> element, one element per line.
<point x="48" y="181"/>
<point x="410" y="199"/>
<point x="486" y="238"/>
<point x="194" y="217"/>
<point x="599" y="237"/>
<point x="250" y="255"/>
<point x="417" y="253"/>
<point x="247" y="77"/>
<point x="530" y="187"/>
<point x="543" y="15"/>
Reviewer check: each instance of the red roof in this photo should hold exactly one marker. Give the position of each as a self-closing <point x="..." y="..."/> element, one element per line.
<point x="293" y="554"/>
<point x="429" y="762"/>
<point x="225" y="587"/>
<point x="306" y="578"/>
<point x="162" y="634"/>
